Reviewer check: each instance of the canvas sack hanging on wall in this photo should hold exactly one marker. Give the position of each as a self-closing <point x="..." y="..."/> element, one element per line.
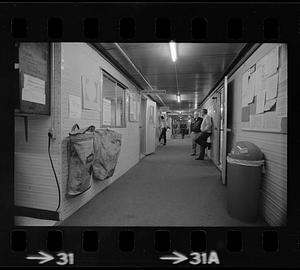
<point x="81" y="157"/>
<point x="107" y="147"/>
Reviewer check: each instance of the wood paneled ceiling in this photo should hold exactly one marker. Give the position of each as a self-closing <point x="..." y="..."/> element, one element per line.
<point x="199" y="66"/>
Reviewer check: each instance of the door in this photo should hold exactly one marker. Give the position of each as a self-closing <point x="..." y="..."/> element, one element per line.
<point x="150" y="126"/>
<point x="143" y="126"/>
<point x="215" y="137"/>
<point x="225" y="131"/>
<point x="221" y="128"/>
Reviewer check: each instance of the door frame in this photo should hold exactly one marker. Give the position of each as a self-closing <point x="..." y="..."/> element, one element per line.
<point x="142" y="126"/>
<point x="150" y="129"/>
<point x="225" y="130"/>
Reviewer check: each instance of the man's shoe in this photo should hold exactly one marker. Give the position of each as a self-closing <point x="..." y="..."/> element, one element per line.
<point x="199" y="158"/>
<point x="208" y="146"/>
<point x="194" y="154"/>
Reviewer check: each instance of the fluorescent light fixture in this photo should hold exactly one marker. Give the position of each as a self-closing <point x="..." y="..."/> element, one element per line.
<point x="173" y="50"/>
<point x="178" y="98"/>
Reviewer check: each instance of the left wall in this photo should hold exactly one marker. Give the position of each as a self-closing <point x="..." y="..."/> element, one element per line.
<point x="80" y="59"/>
<point x="35" y="185"/>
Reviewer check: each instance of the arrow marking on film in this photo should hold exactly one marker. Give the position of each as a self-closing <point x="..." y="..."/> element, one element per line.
<point x="178" y="258"/>
<point x="43" y="258"/>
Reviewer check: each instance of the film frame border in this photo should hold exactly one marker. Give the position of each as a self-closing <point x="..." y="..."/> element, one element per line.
<point x="217" y="17"/>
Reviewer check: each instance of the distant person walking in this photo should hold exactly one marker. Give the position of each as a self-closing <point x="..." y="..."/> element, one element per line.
<point x="183" y="129"/>
<point x="163" y="128"/>
<point x="195" y="131"/>
<point x="206" y="129"/>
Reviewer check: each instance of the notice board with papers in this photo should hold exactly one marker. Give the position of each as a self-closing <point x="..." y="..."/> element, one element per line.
<point x="264" y="93"/>
<point x="34" y="79"/>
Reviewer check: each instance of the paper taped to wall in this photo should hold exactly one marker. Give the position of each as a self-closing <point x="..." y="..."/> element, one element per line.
<point x="75" y="107"/>
<point x="260" y="102"/>
<point x="269" y="104"/>
<point x="34" y="90"/>
<point x="271" y="87"/>
<point x="271" y="62"/>
<point x="272" y="121"/>
<point x="258" y="80"/>
<point x="245" y="86"/>
<point x="281" y="106"/>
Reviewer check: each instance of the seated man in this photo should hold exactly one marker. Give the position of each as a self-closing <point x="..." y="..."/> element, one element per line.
<point x="206" y="129"/>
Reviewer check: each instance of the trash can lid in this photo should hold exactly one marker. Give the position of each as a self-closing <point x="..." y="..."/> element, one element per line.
<point x="246" y="151"/>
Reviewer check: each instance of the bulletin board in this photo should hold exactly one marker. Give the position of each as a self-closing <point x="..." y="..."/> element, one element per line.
<point x="34" y="78"/>
<point x="134" y="107"/>
<point x="265" y="95"/>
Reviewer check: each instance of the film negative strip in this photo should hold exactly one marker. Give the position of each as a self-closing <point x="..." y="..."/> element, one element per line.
<point x="89" y="90"/>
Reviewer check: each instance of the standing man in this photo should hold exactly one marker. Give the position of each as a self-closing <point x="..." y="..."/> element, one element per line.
<point x="206" y="129"/>
<point x="195" y="131"/>
<point x="163" y="127"/>
<point x="182" y="129"/>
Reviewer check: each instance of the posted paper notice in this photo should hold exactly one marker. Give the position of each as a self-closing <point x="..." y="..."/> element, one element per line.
<point x="282" y="106"/>
<point x="75" y="107"/>
<point x="260" y="102"/>
<point x="34" y="90"/>
<point x="271" y="87"/>
<point x="258" y="82"/>
<point x="271" y="62"/>
<point x="245" y="87"/>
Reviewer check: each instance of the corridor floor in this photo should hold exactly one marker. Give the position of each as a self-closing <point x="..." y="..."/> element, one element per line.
<point x="166" y="188"/>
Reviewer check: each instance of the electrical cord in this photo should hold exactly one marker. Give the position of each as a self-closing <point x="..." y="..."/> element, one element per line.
<point x="58" y="188"/>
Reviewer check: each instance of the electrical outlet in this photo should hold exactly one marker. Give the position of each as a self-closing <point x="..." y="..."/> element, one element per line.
<point x="52" y="132"/>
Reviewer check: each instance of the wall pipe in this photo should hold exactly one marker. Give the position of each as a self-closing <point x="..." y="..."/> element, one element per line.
<point x="137" y="70"/>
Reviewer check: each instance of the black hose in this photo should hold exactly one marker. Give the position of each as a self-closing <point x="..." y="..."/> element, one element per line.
<point x="49" y="141"/>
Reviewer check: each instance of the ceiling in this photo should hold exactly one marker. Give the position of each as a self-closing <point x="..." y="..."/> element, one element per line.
<point x="199" y="67"/>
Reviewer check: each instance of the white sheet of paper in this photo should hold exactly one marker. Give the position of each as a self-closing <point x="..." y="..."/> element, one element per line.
<point x="282" y="89"/>
<point x="258" y="81"/>
<point x="272" y="121"/>
<point x="245" y="87"/>
<point x="34" y="90"/>
<point x="251" y="89"/>
<point x="33" y="82"/>
<point x="271" y="62"/>
<point x="282" y="106"/>
<point x="271" y="87"/>
<point x="75" y="107"/>
<point x="106" y="112"/>
<point x="256" y="121"/>
<point x="269" y="104"/>
<point x="33" y="95"/>
<point x="260" y="102"/>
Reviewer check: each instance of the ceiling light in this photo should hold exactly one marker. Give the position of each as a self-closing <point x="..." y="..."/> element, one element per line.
<point x="173" y="50"/>
<point x="178" y="98"/>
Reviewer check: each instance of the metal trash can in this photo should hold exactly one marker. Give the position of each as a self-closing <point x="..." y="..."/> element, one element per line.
<point x="244" y="169"/>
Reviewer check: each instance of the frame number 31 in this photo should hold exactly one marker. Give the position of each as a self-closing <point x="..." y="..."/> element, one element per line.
<point x="65" y="258"/>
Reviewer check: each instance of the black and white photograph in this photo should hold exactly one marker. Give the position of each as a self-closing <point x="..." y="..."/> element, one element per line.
<point x="151" y="134"/>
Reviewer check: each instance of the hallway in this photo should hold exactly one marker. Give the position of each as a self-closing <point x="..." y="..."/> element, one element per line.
<point x="167" y="188"/>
